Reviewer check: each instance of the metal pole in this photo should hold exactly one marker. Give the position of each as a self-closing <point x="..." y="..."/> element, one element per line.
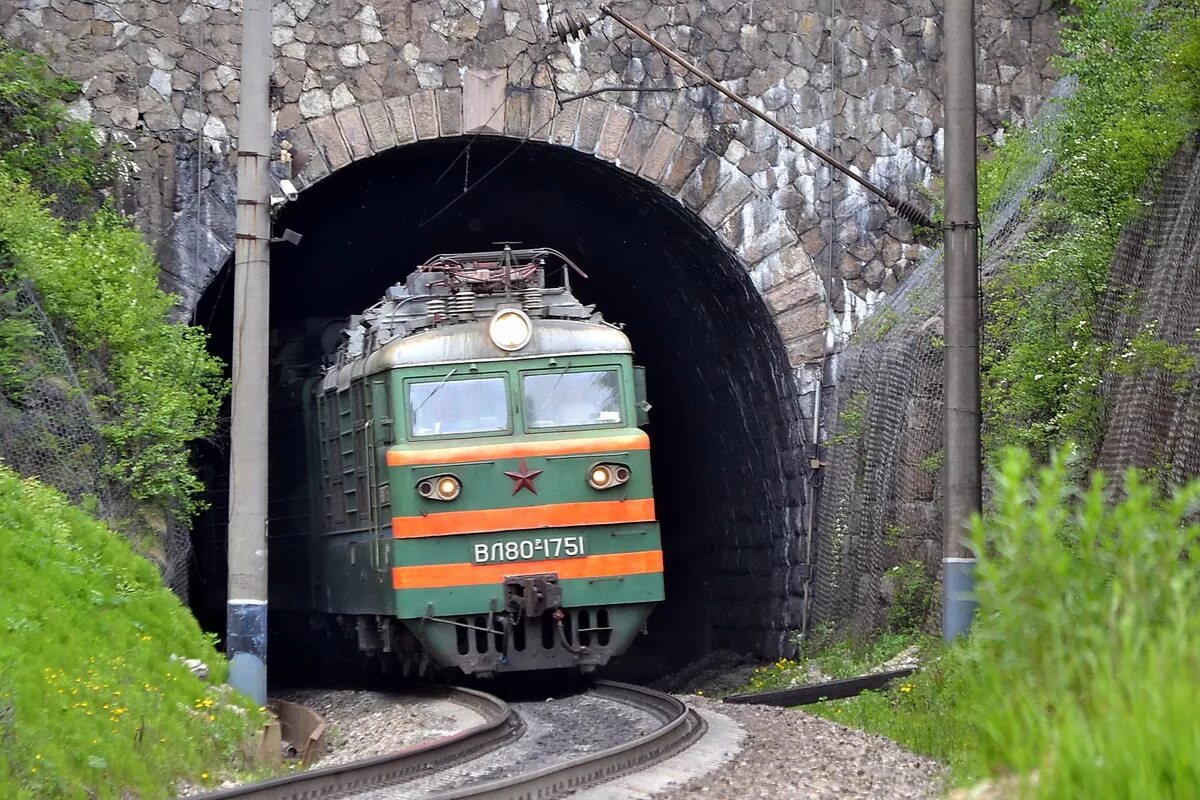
<point x="962" y="464"/>
<point x="246" y="639"/>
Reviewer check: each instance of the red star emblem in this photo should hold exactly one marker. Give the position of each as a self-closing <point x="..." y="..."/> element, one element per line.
<point x="524" y="478"/>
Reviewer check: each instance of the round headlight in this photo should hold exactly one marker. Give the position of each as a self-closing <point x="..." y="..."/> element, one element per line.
<point x="601" y="476"/>
<point x="448" y="487"/>
<point x="510" y="329"/>
<point x="440" y="487"/>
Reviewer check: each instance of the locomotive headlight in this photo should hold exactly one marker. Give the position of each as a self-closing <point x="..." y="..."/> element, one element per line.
<point x="601" y="477"/>
<point x="440" y="487"/>
<point x="510" y="329"/>
<point x="448" y="487"/>
<point x="606" y="476"/>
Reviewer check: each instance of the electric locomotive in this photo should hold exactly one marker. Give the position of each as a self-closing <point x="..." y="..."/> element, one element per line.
<point x="481" y="493"/>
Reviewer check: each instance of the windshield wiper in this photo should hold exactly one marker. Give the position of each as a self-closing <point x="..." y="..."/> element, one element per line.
<point x="562" y="374"/>
<point x="436" y="389"/>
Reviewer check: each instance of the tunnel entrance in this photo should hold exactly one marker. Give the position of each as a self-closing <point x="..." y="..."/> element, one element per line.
<point x="724" y="426"/>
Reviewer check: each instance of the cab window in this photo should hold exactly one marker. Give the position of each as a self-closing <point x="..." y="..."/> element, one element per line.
<point x="571" y="398"/>
<point x="452" y="407"/>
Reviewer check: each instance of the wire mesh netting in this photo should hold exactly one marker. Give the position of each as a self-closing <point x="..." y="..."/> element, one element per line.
<point x="1151" y="319"/>
<point x="881" y="499"/>
<point x="51" y="428"/>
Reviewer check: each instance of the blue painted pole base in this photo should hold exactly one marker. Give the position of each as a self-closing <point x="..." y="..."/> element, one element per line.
<point x="958" y="597"/>
<point x="246" y="646"/>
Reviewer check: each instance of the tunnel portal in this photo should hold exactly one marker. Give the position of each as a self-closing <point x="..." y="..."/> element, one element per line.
<point x="724" y="429"/>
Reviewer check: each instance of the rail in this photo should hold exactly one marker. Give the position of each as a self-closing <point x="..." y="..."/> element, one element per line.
<point x="681" y="726"/>
<point x="501" y="727"/>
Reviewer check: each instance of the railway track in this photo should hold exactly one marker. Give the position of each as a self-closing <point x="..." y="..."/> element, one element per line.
<point x="678" y="726"/>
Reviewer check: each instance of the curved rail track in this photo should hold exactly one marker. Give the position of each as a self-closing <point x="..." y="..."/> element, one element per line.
<point x="680" y="726"/>
<point x="501" y="726"/>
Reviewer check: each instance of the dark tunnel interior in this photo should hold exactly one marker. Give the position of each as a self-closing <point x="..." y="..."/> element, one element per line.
<point x="724" y="406"/>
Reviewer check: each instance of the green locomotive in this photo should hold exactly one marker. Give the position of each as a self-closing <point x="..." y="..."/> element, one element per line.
<point x="481" y="492"/>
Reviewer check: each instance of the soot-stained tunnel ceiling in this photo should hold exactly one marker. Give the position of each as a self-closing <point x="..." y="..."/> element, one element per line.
<point x="722" y="395"/>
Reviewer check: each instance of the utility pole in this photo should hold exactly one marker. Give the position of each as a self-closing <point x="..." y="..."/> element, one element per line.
<point x="246" y="635"/>
<point x="962" y="463"/>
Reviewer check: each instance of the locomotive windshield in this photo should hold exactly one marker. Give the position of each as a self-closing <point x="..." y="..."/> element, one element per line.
<point x="569" y="399"/>
<point x="447" y="407"/>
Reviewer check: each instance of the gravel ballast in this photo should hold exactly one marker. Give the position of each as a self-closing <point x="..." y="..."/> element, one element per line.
<point x="787" y="753"/>
<point x="367" y="724"/>
<point x="780" y="753"/>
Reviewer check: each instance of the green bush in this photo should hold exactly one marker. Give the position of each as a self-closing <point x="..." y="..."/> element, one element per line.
<point x="157" y="386"/>
<point x="1138" y="97"/>
<point x="1081" y="668"/>
<point x="38" y="140"/>
<point x="96" y="701"/>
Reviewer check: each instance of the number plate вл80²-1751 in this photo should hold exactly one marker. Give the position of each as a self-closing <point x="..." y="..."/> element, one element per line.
<point x="530" y="549"/>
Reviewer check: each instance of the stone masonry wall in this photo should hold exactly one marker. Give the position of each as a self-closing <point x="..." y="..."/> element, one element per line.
<point x="857" y="77"/>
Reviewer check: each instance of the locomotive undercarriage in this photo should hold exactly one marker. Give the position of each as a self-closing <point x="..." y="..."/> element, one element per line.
<point x="559" y="638"/>
<point x="507" y="640"/>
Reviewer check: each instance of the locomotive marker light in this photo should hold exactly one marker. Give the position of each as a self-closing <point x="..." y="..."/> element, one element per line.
<point x="510" y="329"/>
<point x="607" y="476"/>
<point x="440" y="487"/>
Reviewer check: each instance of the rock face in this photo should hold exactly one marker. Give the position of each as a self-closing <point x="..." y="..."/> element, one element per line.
<point x="352" y="78"/>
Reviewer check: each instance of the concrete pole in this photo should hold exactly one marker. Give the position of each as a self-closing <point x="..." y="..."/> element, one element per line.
<point x="962" y="461"/>
<point x="246" y="639"/>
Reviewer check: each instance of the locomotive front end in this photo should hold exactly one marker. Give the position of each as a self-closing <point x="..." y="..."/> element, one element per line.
<point x="481" y="494"/>
<point x="524" y="525"/>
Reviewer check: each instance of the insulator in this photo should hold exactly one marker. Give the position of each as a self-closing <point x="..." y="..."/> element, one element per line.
<point x="437" y="308"/>
<point x="462" y="303"/>
<point x="571" y="26"/>
<point x="909" y="211"/>
<point x="531" y="301"/>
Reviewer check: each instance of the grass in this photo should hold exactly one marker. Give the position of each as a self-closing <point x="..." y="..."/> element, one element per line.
<point x="1081" y="668"/>
<point x="96" y="701"/>
<point x="827" y="656"/>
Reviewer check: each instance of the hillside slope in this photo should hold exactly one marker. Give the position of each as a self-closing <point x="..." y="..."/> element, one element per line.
<point x="96" y="701"/>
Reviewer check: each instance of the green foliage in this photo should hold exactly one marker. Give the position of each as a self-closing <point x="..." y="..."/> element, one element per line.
<point x="95" y="701"/>
<point x="1003" y="170"/>
<point x="38" y="140"/>
<point x="1145" y="354"/>
<point x="878" y="326"/>
<point x="852" y="419"/>
<point x="157" y="386"/>
<point x="825" y="655"/>
<point x="1136" y="101"/>
<point x="912" y="597"/>
<point x="1081" y="668"/>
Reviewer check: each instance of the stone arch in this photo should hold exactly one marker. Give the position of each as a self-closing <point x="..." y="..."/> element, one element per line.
<point x="665" y="153"/>
<point x="728" y="438"/>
